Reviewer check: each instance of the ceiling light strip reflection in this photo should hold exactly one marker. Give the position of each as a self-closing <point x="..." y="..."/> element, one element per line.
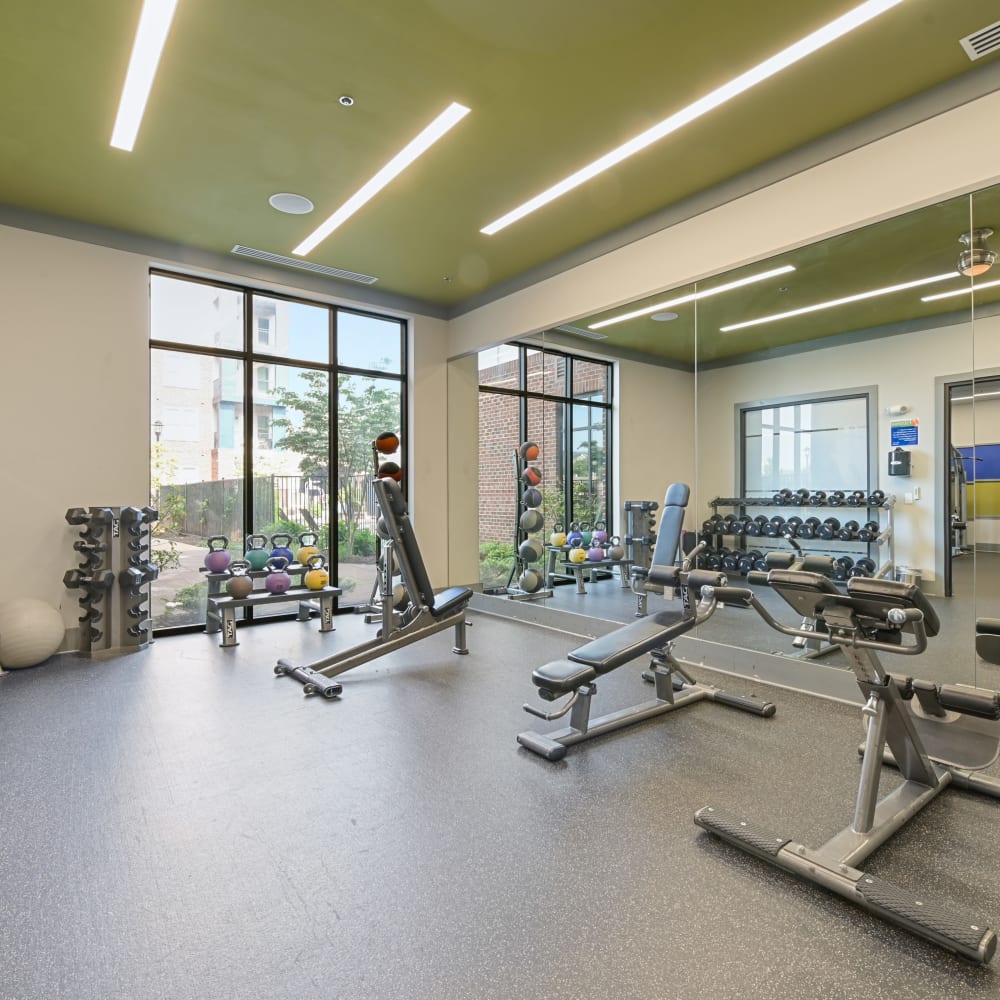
<point x="453" y="114"/>
<point x="694" y="296"/>
<point x="150" y="37"/>
<point x="763" y="71"/>
<point x="832" y="303"/>
<point x="961" y="291"/>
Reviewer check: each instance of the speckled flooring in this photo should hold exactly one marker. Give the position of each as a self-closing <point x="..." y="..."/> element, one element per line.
<point x="180" y="823"/>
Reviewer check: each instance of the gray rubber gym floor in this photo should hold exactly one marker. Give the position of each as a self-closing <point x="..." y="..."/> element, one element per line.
<point x="180" y="823"/>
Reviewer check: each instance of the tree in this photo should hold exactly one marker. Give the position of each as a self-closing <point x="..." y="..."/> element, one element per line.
<point x="365" y="408"/>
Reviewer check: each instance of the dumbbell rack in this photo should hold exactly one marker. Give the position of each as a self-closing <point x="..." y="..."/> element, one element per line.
<point x="515" y="592"/>
<point x="883" y="544"/>
<point x="640" y="531"/>
<point x="114" y="574"/>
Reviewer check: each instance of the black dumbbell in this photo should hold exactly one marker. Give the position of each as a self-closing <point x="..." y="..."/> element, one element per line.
<point x="774" y="527"/>
<point x="837" y="498"/>
<point x="799" y="497"/>
<point x="712" y="560"/>
<point x="842" y="568"/>
<point x="731" y="561"/>
<point x="876" y="498"/>
<point x="817" y="498"/>
<point x="828" y="529"/>
<point x="869" y="531"/>
<point x="807" y="529"/>
<point x="791" y="528"/>
<point x="857" y="499"/>
<point x="848" y="531"/>
<point x="782" y="497"/>
<point x="749" y="561"/>
<point x="863" y="567"/>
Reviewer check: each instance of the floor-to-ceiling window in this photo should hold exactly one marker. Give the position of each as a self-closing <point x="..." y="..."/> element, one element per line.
<point x="263" y="413"/>
<point x="563" y="404"/>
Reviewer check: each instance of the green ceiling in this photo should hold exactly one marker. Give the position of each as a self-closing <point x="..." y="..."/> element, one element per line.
<point x="245" y="104"/>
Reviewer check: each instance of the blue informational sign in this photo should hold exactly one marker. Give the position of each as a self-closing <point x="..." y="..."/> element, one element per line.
<point x="903" y="432"/>
<point x="982" y="463"/>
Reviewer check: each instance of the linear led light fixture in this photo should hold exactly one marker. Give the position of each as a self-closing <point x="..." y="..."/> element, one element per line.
<point x="961" y="291"/>
<point x="763" y="71"/>
<point x="970" y="399"/>
<point x="150" y="37"/>
<point x="816" y="307"/>
<point x="694" y="296"/>
<point x="453" y="114"/>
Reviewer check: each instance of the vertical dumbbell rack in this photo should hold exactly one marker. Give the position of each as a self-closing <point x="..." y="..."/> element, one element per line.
<point x="771" y="536"/>
<point x="514" y="591"/>
<point x="114" y="574"/>
<point x="640" y="531"/>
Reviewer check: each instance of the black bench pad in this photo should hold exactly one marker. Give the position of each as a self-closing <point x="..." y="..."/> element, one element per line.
<point x="562" y="676"/>
<point x="450" y="600"/>
<point x="988" y="626"/>
<point x="627" y="643"/>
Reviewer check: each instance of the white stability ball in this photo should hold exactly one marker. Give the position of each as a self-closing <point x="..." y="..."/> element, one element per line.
<point x="30" y="632"/>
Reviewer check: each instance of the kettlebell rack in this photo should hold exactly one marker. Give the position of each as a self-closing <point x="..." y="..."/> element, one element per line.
<point x="114" y="574"/>
<point x="861" y="545"/>
<point x="220" y="612"/>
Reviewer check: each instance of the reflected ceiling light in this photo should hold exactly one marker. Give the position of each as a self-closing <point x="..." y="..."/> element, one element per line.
<point x="694" y="296"/>
<point x="578" y="331"/>
<point x="664" y="317"/>
<point x="290" y="204"/>
<point x="977" y="258"/>
<point x="150" y="37"/>
<point x="453" y="114"/>
<point x="763" y="71"/>
<point x="838" y="302"/>
<point x="968" y="290"/>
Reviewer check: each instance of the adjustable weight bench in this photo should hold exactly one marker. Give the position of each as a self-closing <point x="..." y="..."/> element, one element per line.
<point x="425" y="614"/>
<point x="936" y="735"/>
<point x="988" y="639"/>
<point x="575" y="676"/>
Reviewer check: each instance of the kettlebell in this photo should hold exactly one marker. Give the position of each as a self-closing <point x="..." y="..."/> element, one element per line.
<point x="277" y="580"/>
<point x="616" y="550"/>
<point x="587" y="531"/>
<point x="240" y="585"/>
<point x="257" y="552"/>
<point x="574" y="537"/>
<point x="595" y="553"/>
<point x="558" y="536"/>
<point x="280" y="543"/>
<point x="600" y="535"/>
<point x="218" y="558"/>
<point x="578" y="554"/>
<point x="317" y="576"/>
<point x="307" y="547"/>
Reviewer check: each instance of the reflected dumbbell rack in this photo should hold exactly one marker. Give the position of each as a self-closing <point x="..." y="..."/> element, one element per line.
<point x="858" y="534"/>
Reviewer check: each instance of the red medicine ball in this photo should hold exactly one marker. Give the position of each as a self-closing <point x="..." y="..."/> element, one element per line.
<point x="389" y="470"/>
<point x="386" y="443"/>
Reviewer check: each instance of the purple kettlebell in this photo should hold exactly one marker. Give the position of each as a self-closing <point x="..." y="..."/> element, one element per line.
<point x="277" y="580"/>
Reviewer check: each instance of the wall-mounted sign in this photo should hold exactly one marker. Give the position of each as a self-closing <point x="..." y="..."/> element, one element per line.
<point x="904" y="432"/>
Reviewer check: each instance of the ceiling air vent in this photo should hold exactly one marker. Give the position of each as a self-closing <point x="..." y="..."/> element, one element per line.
<point x="579" y="331"/>
<point x="983" y="42"/>
<point x="304" y="265"/>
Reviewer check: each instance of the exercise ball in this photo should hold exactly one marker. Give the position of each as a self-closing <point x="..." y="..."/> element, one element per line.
<point x="529" y="451"/>
<point x="531" y="476"/>
<point x="532" y="520"/>
<point x="386" y="443"/>
<point x="529" y="581"/>
<point x="532" y="497"/>
<point x="30" y="632"/>
<point x="390" y="470"/>
<point x="240" y="585"/>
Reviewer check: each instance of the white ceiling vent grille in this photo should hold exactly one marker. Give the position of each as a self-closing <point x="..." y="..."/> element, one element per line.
<point x="579" y="331"/>
<point x="983" y="42"/>
<point x="304" y="265"/>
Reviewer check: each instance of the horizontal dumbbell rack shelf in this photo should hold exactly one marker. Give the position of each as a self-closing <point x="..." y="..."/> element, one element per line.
<point x="879" y="549"/>
<point x="220" y="610"/>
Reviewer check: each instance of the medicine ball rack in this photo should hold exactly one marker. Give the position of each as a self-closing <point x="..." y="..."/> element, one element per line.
<point x="114" y="574"/>
<point x="523" y="566"/>
<point x="857" y="540"/>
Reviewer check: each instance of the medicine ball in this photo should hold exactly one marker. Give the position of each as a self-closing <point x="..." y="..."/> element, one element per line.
<point x="386" y="443"/>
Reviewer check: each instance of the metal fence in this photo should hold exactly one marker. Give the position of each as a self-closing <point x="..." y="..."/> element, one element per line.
<point x="216" y="507"/>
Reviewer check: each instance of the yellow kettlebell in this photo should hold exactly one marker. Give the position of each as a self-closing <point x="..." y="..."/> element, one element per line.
<point x="307" y="547"/>
<point x="577" y="554"/>
<point x="558" y="536"/>
<point x="317" y="577"/>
